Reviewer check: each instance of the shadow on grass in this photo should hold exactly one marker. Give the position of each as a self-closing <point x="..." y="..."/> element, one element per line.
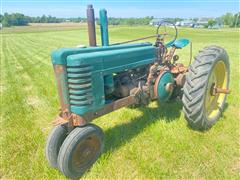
<point x="123" y="133"/>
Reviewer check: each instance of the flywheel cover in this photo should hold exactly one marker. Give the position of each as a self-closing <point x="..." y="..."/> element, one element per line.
<point x="163" y="86"/>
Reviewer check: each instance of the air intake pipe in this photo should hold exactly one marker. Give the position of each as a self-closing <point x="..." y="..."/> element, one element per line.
<point x="91" y="26"/>
<point x="108" y="79"/>
<point x="104" y="27"/>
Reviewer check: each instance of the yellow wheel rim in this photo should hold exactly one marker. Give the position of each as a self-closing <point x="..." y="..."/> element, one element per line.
<point x="219" y="78"/>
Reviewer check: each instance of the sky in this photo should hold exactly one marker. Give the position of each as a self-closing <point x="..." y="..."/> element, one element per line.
<point x="122" y="8"/>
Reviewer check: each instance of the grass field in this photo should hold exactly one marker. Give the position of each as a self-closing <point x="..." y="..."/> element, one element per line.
<point x="144" y="143"/>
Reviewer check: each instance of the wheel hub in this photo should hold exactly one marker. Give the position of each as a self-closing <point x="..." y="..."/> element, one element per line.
<point x="216" y="89"/>
<point x="85" y="152"/>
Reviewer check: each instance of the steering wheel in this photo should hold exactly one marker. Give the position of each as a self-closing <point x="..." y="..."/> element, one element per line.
<point x="161" y="35"/>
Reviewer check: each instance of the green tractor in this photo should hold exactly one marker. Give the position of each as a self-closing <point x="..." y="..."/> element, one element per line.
<point x="96" y="80"/>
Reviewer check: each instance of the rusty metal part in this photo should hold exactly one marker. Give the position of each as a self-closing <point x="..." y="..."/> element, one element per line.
<point x="63" y="117"/>
<point x="76" y="120"/>
<point x="153" y="70"/>
<point x="169" y="87"/>
<point x="161" y="50"/>
<point x="170" y="54"/>
<point x="91" y="26"/>
<point x="86" y="151"/>
<point x="110" y="107"/>
<point x="59" y="120"/>
<point x="178" y="68"/>
<point x="155" y="88"/>
<point x="60" y="71"/>
<point x="180" y="79"/>
<point x="152" y="73"/>
<point x="67" y="117"/>
<point x="216" y="90"/>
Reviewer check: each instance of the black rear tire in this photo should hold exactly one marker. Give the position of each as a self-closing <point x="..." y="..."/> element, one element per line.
<point x="54" y="142"/>
<point x="80" y="150"/>
<point x="196" y="87"/>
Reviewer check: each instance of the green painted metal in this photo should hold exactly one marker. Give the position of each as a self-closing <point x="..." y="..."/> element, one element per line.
<point x="108" y="79"/>
<point x="105" y="63"/>
<point x="59" y="59"/>
<point x="89" y="71"/>
<point x="180" y="43"/>
<point x="59" y="56"/>
<point x="104" y="27"/>
<point x="113" y="61"/>
<point x="164" y="95"/>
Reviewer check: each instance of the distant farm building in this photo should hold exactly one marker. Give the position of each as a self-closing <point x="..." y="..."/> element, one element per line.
<point x="1" y="26"/>
<point x="156" y="22"/>
<point x="204" y="22"/>
<point x="185" y="23"/>
<point x="201" y="23"/>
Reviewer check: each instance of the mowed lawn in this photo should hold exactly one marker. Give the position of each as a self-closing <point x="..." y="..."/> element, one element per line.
<point x="152" y="142"/>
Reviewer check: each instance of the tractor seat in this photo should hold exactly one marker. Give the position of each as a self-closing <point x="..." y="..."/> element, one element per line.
<point x="179" y="44"/>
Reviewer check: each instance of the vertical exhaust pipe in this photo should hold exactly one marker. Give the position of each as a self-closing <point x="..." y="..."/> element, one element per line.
<point x="104" y="27"/>
<point x="91" y="26"/>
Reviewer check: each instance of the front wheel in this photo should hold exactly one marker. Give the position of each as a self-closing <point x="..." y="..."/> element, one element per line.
<point x="208" y="73"/>
<point x="54" y="142"/>
<point x="80" y="150"/>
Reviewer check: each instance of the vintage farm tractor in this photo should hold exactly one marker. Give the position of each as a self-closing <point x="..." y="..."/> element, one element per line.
<point x="96" y="80"/>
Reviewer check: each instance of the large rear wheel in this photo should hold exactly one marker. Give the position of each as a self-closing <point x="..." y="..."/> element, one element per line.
<point x="207" y="83"/>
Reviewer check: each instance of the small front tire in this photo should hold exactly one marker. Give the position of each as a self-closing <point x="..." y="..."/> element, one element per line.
<point x="80" y="150"/>
<point x="54" y="142"/>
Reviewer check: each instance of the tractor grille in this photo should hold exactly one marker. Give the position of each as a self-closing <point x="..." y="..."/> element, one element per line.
<point x="80" y="85"/>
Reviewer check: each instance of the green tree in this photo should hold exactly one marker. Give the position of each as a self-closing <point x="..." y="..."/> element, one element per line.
<point x="228" y="19"/>
<point x="236" y="20"/>
<point x="1" y="18"/>
<point x="211" y="22"/>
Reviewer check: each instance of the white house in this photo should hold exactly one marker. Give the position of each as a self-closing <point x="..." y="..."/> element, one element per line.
<point x="1" y="26"/>
<point x="202" y="22"/>
<point x="187" y="23"/>
<point x="155" y="22"/>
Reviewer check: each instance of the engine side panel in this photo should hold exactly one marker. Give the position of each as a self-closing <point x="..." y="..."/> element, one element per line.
<point x="86" y="70"/>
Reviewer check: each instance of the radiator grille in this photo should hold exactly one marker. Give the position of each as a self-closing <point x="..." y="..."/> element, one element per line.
<point x="80" y="85"/>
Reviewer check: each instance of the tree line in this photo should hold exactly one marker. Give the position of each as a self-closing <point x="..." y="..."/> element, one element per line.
<point x="232" y="20"/>
<point x="18" y="19"/>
